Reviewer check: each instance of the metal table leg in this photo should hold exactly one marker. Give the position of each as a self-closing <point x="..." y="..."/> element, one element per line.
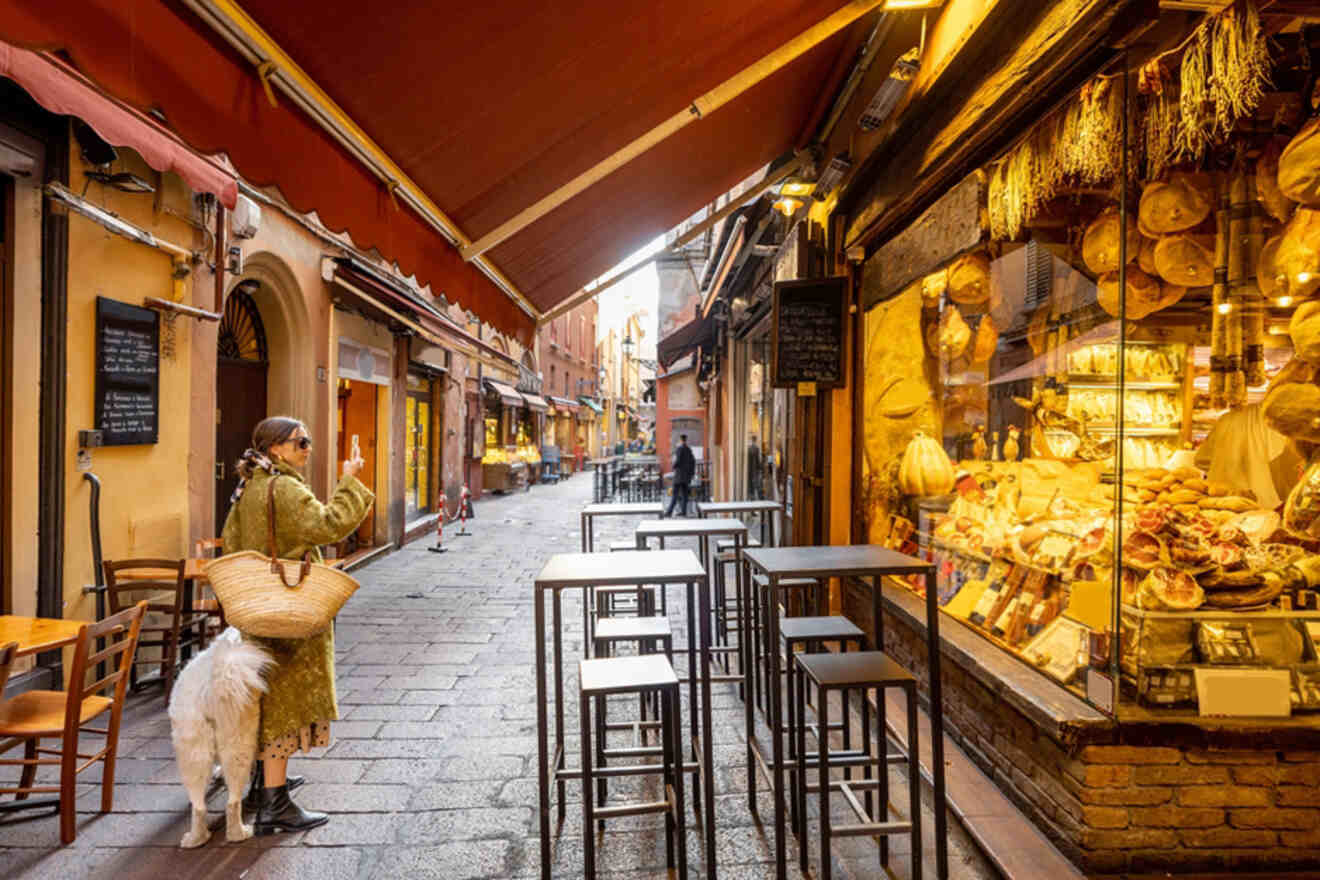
<point x="775" y="710"/>
<point x="708" y="728"/>
<point x="542" y="736"/>
<point x="936" y="725"/>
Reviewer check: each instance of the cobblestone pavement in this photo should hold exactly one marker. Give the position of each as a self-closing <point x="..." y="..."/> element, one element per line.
<point x="431" y="771"/>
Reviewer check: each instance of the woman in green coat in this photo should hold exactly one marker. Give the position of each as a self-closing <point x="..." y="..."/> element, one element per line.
<point x="299" y="702"/>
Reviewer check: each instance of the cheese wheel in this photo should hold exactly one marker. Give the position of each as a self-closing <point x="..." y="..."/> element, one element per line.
<point x="1179" y="204"/>
<point x="1299" y="166"/>
<point x="1185" y="259"/>
<point x="1100" y="244"/>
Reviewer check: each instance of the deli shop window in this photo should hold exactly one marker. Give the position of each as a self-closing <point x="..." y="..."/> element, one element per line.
<point x="1102" y="417"/>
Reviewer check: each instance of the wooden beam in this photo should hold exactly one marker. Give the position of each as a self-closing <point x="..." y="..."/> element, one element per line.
<point x="700" y="107"/>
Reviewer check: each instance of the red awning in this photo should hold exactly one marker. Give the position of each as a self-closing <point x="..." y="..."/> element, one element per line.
<point x="60" y="89"/>
<point x="487" y="107"/>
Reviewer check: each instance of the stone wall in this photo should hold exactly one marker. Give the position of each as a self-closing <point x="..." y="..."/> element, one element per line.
<point x="1178" y="806"/>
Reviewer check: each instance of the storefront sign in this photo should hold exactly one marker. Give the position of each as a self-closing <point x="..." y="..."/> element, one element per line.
<point x="127" y="373"/>
<point x="808" y="328"/>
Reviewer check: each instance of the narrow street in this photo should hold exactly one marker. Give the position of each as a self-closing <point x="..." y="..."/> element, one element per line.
<point x="431" y="772"/>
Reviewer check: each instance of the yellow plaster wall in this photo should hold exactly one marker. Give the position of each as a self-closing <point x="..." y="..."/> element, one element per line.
<point x="144" y="499"/>
<point x="25" y="336"/>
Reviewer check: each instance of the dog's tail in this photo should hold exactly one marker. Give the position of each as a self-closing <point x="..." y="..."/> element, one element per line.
<point x="237" y="679"/>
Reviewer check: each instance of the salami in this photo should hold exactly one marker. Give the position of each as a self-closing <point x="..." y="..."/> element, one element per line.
<point x="1267" y="591"/>
<point x="1153" y="518"/>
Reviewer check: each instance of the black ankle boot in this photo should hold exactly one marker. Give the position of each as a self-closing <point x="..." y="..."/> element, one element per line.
<point x="252" y="800"/>
<point x="278" y="812"/>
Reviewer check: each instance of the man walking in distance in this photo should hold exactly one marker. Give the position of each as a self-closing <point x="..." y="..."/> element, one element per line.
<point x="685" y="466"/>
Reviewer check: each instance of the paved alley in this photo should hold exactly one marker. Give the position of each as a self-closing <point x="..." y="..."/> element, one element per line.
<point x="431" y="772"/>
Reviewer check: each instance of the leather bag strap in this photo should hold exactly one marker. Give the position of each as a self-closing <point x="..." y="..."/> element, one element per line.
<point x="276" y="567"/>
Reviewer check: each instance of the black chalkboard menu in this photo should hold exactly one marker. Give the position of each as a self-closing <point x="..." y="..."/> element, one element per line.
<point x="807" y="332"/>
<point x="127" y="373"/>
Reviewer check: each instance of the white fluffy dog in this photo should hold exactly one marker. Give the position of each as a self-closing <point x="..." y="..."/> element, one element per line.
<point x="215" y="709"/>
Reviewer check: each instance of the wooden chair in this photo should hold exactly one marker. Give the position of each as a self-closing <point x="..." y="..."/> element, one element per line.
<point x="34" y="715"/>
<point x="7" y="654"/>
<point x="165" y="597"/>
<point x="209" y="548"/>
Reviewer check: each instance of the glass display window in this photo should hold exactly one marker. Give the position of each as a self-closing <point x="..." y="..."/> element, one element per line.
<point x="1101" y="421"/>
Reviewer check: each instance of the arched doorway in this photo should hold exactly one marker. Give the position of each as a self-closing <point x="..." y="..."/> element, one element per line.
<point x="242" y="359"/>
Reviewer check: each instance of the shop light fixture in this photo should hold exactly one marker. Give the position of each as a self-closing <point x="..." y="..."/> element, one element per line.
<point x="1303" y="277"/>
<point x="831" y="177"/>
<point x="1283" y="301"/>
<point x="1224" y="308"/>
<point x="123" y="181"/>
<point x="796" y="186"/>
<point x="897" y="5"/>
<point x="891" y="91"/>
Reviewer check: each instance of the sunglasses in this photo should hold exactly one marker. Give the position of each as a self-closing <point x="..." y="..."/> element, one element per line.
<point x="303" y="443"/>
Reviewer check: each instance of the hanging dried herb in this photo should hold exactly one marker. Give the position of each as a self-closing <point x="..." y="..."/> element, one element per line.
<point x="1240" y="62"/>
<point x="1160" y="124"/>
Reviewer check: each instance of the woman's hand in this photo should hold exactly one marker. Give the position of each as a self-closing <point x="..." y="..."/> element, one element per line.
<point x="353" y="466"/>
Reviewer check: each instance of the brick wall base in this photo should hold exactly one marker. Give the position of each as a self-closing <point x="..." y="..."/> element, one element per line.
<point x="1115" y="808"/>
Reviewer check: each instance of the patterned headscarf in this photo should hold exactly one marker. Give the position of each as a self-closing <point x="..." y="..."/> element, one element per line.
<point x="247" y="466"/>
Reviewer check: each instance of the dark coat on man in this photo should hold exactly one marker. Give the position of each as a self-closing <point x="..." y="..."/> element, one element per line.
<point x="685" y="465"/>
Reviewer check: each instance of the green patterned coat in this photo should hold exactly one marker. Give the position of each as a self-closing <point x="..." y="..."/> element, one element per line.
<point x="301" y="686"/>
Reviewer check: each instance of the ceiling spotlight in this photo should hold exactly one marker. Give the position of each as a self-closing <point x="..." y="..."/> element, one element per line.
<point x="891" y="91"/>
<point x="1283" y="301"/>
<point x="123" y="181"/>
<point x="1224" y="308"/>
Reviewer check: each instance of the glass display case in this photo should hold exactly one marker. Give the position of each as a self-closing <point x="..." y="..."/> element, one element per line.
<point x="1101" y="421"/>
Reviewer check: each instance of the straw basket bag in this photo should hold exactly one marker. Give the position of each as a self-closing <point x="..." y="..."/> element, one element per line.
<point x="259" y="598"/>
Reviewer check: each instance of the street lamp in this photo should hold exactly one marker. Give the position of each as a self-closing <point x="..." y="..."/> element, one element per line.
<point x="627" y="345"/>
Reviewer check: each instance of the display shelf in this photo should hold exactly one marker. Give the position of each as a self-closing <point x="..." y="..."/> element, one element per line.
<point x="1222" y="614"/>
<point x="1110" y="383"/>
<point x="1135" y="431"/>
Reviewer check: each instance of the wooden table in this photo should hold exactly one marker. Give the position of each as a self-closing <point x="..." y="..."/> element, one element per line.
<point x="736" y="508"/>
<point x="582" y="571"/>
<point x="37" y="634"/>
<point x="863" y="561"/>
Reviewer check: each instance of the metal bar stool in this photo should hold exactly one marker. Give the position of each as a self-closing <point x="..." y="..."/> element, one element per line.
<point x="804" y="596"/>
<point x="811" y="634"/>
<point x="647" y="634"/>
<point x="864" y="671"/>
<point x="649" y="673"/>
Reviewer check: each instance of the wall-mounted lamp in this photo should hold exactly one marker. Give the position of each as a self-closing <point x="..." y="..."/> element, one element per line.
<point x="892" y="90"/>
<point x="787" y="205"/>
<point x="796" y="187"/>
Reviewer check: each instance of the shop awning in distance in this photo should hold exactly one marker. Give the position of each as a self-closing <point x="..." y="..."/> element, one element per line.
<point x="535" y="401"/>
<point x="506" y="393"/>
<point x="564" y="403"/>
<point x="699" y="332"/>
<point x="591" y="405"/>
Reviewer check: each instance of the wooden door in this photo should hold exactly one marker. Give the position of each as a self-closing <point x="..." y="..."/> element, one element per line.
<point x="240" y="400"/>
